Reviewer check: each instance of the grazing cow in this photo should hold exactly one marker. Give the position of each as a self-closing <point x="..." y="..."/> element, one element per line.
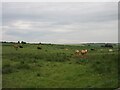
<point x="77" y="52"/>
<point x="20" y="46"/>
<point x="39" y="48"/>
<point x="92" y="49"/>
<point x="84" y="51"/>
<point x="16" y="46"/>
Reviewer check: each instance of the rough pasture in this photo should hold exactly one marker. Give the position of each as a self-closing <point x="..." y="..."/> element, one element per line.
<point x="55" y="67"/>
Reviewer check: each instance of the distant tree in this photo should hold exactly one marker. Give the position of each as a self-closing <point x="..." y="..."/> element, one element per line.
<point x="18" y="41"/>
<point x="4" y="42"/>
<point x="109" y="45"/>
<point x="40" y="43"/>
<point x="12" y="42"/>
<point x="22" y="42"/>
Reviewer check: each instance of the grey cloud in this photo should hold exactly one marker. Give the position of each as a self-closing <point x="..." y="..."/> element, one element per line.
<point x="61" y="12"/>
<point x="61" y="22"/>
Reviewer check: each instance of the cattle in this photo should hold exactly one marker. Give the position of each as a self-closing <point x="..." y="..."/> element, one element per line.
<point x="20" y="46"/>
<point x="84" y="51"/>
<point x="77" y="52"/>
<point x="16" y="46"/>
<point x="110" y="50"/>
<point x="92" y="49"/>
<point x="39" y="47"/>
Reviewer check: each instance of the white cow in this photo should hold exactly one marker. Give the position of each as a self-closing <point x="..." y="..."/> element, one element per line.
<point x="110" y="50"/>
<point x="77" y="52"/>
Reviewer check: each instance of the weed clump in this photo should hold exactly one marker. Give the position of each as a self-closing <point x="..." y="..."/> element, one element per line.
<point x="38" y="74"/>
<point x="6" y="69"/>
<point x="23" y="66"/>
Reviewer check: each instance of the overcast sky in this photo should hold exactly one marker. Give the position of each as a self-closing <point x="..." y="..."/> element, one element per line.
<point x="60" y="22"/>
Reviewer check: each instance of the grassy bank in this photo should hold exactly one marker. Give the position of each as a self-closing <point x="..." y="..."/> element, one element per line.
<point x="54" y="67"/>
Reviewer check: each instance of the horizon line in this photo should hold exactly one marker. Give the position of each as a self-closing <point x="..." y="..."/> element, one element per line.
<point x="56" y="43"/>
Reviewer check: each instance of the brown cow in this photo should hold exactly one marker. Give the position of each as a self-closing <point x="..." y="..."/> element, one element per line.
<point x="84" y="51"/>
<point x="16" y="46"/>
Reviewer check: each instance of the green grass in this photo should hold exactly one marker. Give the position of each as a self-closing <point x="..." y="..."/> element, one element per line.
<point x="54" y="67"/>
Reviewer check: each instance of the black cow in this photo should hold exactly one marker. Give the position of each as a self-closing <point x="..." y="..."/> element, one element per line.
<point x="20" y="46"/>
<point x="92" y="49"/>
<point x="39" y="48"/>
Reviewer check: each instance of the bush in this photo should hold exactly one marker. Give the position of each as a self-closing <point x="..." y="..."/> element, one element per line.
<point x="22" y="42"/>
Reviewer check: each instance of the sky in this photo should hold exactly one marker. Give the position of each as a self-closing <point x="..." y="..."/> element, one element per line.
<point x="60" y="22"/>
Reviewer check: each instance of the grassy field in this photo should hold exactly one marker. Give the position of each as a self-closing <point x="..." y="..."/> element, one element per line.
<point x="55" y="67"/>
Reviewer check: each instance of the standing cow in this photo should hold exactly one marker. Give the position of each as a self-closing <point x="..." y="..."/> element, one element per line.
<point x="77" y="52"/>
<point x="82" y="52"/>
<point x="16" y="46"/>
